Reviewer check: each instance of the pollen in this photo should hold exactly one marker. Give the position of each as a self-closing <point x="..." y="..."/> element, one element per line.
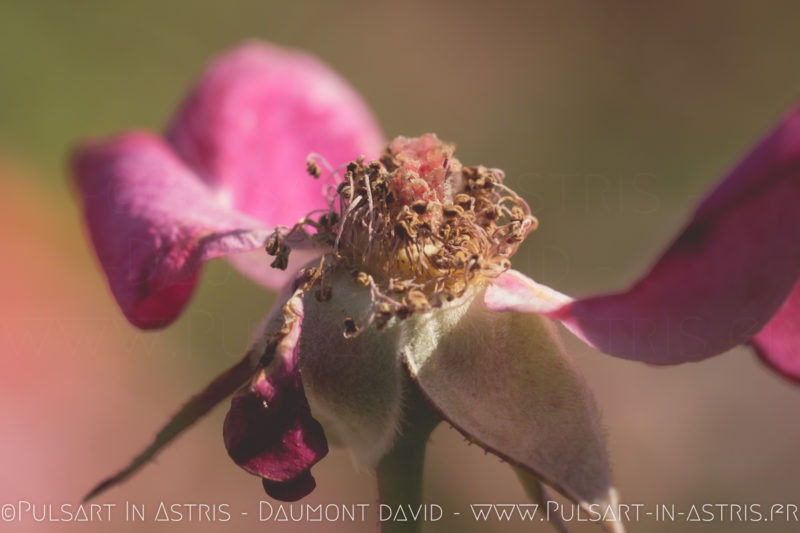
<point x="416" y="227"/>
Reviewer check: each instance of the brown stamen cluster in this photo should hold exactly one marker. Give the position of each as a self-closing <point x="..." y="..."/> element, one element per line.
<point x="415" y="245"/>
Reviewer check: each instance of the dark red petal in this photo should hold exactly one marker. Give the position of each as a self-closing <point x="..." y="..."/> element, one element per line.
<point x="292" y="490"/>
<point x="269" y="430"/>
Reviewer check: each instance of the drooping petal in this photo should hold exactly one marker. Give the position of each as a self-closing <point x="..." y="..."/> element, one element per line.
<point x="355" y="384"/>
<point x="153" y="224"/>
<point x="504" y="380"/>
<point x="254" y="117"/>
<point x="269" y="430"/>
<point x="720" y="281"/>
<point x="778" y="343"/>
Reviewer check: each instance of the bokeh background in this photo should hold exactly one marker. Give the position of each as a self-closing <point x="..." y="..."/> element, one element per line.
<point x="611" y="118"/>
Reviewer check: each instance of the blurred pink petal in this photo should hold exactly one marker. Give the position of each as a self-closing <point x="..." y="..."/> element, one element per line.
<point x="256" y="115"/>
<point x="153" y="223"/>
<point x="779" y="342"/>
<point x="269" y="430"/>
<point x="722" y="279"/>
<point x="244" y="135"/>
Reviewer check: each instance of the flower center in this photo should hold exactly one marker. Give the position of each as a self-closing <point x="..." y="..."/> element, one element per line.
<point x="416" y="227"/>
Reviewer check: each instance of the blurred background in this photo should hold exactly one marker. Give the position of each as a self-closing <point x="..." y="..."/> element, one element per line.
<point x="610" y="118"/>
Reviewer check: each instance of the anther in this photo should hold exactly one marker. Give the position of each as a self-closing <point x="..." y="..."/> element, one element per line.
<point x="517" y="213"/>
<point x="273" y="244"/>
<point x="313" y="169"/>
<point x="374" y="169"/>
<point x="329" y="219"/>
<point x="452" y="211"/>
<point x="419" y="207"/>
<point x="350" y="327"/>
<point x="362" y="278"/>
<point x="417" y="301"/>
<point x="464" y="201"/>
<point x="403" y="312"/>
<point x="281" y="260"/>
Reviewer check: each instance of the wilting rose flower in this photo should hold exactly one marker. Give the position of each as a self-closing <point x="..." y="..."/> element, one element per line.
<point x="399" y="304"/>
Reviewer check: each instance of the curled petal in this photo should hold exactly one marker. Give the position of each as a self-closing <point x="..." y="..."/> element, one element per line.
<point x="269" y="430"/>
<point x="726" y="274"/>
<point x="778" y="343"/>
<point x="254" y="117"/>
<point x="153" y="224"/>
<point x="504" y="380"/>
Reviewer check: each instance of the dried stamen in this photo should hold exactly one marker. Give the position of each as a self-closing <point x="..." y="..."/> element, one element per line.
<point x="416" y="227"/>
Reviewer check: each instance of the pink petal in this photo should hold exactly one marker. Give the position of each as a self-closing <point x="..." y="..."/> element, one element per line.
<point x="514" y="291"/>
<point x="723" y="278"/>
<point x="269" y="430"/>
<point x="153" y="223"/>
<point x="779" y="342"/>
<point x="253" y="119"/>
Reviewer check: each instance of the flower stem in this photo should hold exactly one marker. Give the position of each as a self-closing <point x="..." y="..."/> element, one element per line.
<point x="400" y="471"/>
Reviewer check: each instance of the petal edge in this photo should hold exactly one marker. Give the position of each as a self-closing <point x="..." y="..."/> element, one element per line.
<point x="778" y="343"/>
<point x="153" y="224"/>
